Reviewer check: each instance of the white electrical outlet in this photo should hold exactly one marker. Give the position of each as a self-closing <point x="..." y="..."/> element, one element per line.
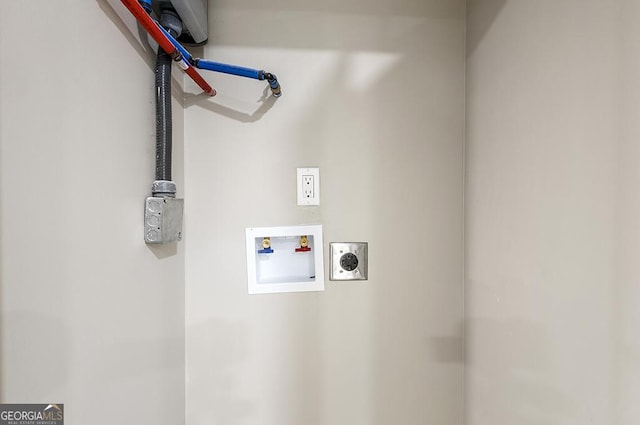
<point x="308" y="186"/>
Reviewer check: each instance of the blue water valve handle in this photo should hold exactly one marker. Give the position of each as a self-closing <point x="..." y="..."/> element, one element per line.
<point x="266" y="246"/>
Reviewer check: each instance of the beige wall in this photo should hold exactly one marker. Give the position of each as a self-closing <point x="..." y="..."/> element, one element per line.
<point x="373" y="95"/>
<point x="552" y="206"/>
<point x="89" y="316"/>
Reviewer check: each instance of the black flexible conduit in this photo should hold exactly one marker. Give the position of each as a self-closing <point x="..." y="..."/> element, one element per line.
<point x="163" y="116"/>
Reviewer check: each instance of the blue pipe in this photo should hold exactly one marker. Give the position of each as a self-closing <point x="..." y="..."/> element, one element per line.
<point x="146" y="5"/>
<point x="240" y="71"/>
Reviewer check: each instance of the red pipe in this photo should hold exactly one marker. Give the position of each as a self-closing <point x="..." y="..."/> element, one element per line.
<point x="152" y="28"/>
<point x="195" y="76"/>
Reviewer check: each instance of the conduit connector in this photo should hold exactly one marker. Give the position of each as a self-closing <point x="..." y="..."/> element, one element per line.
<point x="163" y="189"/>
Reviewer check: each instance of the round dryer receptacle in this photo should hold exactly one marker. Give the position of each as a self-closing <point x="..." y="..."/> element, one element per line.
<point x="349" y="262"/>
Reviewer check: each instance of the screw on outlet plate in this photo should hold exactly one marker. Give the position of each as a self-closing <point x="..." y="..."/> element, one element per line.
<point x="308" y="186"/>
<point x="349" y="261"/>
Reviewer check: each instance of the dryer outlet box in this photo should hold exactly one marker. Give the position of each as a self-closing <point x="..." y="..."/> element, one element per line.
<point x="349" y="261"/>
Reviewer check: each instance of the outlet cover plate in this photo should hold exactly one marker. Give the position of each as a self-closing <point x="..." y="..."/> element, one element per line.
<point x="308" y="186"/>
<point x="349" y="261"/>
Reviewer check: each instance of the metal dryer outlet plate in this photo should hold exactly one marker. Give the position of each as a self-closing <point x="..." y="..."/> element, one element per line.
<point x="349" y="261"/>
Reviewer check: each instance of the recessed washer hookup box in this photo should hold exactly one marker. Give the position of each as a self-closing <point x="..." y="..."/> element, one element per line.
<point x="285" y="259"/>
